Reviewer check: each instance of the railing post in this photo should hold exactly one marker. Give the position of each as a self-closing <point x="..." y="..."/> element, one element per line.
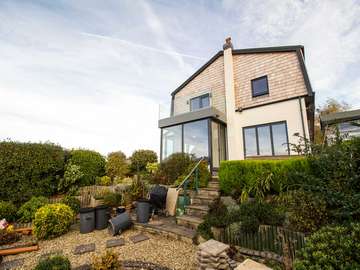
<point x="197" y="179"/>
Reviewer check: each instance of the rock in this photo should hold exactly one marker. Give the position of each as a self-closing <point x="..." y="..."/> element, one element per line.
<point x="213" y="247"/>
<point x="249" y="264"/>
<point x="14" y="264"/>
<point x="84" y="249"/>
<point x="227" y="201"/>
<point x="138" y="238"/>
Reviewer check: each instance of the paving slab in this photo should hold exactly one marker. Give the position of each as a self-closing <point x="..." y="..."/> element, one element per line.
<point x="138" y="238"/>
<point x="115" y="242"/>
<point x="213" y="247"/>
<point x="84" y="249"/>
<point x="14" y="264"/>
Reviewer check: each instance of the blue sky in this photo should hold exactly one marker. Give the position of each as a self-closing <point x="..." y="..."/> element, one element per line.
<point x="92" y="74"/>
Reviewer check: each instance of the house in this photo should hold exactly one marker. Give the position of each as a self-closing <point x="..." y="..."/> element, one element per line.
<point x="347" y="123"/>
<point x="241" y="104"/>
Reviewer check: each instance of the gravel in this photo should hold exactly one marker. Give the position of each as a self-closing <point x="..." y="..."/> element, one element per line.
<point x="159" y="250"/>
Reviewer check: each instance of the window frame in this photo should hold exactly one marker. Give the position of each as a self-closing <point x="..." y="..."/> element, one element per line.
<point x="200" y="102"/>
<point x="271" y="139"/>
<point x="267" y="86"/>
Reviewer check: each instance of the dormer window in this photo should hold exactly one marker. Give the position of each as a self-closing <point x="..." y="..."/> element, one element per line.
<point x="200" y="102"/>
<point x="260" y="86"/>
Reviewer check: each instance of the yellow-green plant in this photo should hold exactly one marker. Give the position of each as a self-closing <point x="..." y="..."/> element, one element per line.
<point x="52" y="220"/>
<point x="152" y="167"/>
<point x="104" y="181"/>
<point x="107" y="261"/>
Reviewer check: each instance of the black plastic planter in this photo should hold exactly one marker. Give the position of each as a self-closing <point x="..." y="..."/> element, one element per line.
<point x="102" y="216"/>
<point x="87" y="220"/>
<point x="143" y="211"/>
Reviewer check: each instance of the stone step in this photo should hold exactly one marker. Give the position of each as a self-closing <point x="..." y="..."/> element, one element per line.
<point x="214" y="184"/>
<point x="189" y="221"/>
<point x="197" y="210"/>
<point x="204" y="200"/>
<point x="215" y="177"/>
<point x="209" y="192"/>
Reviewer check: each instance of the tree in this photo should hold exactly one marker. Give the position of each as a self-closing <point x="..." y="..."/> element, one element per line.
<point x="140" y="158"/>
<point x="331" y="106"/>
<point x="116" y="165"/>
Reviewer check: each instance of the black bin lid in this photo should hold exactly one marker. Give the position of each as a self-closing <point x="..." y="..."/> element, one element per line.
<point x="103" y="206"/>
<point x="87" y="210"/>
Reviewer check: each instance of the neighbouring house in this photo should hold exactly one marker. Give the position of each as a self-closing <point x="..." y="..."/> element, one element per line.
<point x="347" y="123"/>
<point x="241" y="104"/>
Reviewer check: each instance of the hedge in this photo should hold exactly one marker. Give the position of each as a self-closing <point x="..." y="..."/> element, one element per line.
<point x="92" y="165"/>
<point x="29" y="169"/>
<point x="235" y="175"/>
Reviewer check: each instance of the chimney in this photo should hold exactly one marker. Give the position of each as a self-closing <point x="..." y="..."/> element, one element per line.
<point x="228" y="44"/>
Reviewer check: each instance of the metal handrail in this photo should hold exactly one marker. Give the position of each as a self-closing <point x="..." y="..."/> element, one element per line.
<point x="191" y="172"/>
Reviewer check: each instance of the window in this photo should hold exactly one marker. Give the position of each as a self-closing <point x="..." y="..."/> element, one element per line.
<point x="266" y="140"/>
<point x="196" y="138"/>
<point x="199" y="102"/>
<point x="171" y="140"/>
<point x="260" y="86"/>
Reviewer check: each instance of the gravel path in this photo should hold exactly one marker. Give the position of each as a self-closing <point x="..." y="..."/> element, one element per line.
<point x="160" y="250"/>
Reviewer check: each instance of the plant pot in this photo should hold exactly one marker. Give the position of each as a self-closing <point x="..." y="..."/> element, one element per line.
<point x="218" y="232"/>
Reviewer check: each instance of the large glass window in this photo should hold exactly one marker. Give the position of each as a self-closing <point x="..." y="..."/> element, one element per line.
<point x="171" y="140"/>
<point x="196" y="138"/>
<point x="266" y="140"/>
<point x="250" y="141"/>
<point x="199" y="102"/>
<point x="280" y="141"/>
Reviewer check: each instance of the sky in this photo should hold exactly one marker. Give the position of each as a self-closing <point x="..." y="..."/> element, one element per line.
<point x="91" y="74"/>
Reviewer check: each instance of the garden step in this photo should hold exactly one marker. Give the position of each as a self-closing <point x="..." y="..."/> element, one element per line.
<point x="205" y="200"/>
<point x="196" y="210"/>
<point x="189" y="221"/>
<point x="209" y="192"/>
<point x="214" y="185"/>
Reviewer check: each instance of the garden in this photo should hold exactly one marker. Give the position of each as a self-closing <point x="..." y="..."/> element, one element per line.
<point x="299" y="213"/>
<point x="44" y="187"/>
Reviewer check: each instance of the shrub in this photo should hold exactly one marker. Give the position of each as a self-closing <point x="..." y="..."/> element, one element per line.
<point x="7" y="211"/>
<point x="253" y="214"/>
<point x="332" y="247"/>
<point x="116" y="165"/>
<point x="29" y="169"/>
<point x="92" y="165"/>
<point x="54" y="263"/>
<point x="138" y="189"/>
<point x="72" y="202"/>
<point x="259" y="177"/>
<point x="103" y="181"/>
<point x="307" y="211"/>
<point x="72" y="176"/>
<point x="112" y="199"/>
<point x="175" y="166"/>
<point x="52" y="220"/>
<point x="204" y="229"/>
<point x="27" y="211"/>
<point x="141" y="158"/>
<point x="107" y="261"/>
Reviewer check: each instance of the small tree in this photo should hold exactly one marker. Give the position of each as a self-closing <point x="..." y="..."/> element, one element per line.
<point x="331" y="106"/>
<point x="116" y="165"/>
<point x="71" y="177"/>
<point x="140" y="158"/>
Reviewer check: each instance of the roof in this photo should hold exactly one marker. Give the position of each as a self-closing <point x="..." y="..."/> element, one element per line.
<point x="338" y="117"/>
<point x="299" y="49"/>
<point x="209" y="112"/>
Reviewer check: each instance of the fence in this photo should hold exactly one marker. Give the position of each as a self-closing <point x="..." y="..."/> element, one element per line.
<point x="267" y="238"/>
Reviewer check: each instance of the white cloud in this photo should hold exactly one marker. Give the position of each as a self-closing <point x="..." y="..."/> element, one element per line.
<point x="85" y="74"/>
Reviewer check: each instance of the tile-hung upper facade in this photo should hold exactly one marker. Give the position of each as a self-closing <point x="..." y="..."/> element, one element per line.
<point x="261" y="97"/>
